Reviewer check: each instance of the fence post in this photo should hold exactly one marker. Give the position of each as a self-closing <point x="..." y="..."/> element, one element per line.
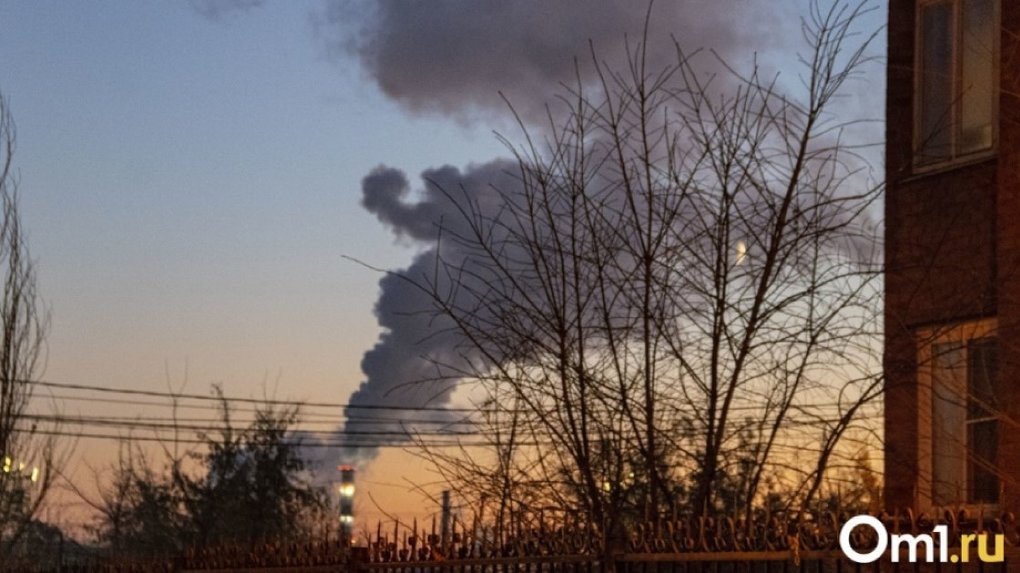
<point x="357" y="557"/>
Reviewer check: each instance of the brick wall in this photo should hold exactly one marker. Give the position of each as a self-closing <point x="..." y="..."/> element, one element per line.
<point x="1008" y="256"/>
<point x="952" y="252"/>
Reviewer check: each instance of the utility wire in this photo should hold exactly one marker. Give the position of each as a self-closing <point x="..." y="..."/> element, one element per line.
<point x="214" y="428"/>
<point x="183" y="396"/>
<point x="337" y="405"/>
<point x="345" y="444"/>
<point x="301" y="420"/>
<point x="233" y="409"/>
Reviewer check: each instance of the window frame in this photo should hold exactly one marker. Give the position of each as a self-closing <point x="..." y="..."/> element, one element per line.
<point x="927" y="339"/>
<point x="956" y="157"/>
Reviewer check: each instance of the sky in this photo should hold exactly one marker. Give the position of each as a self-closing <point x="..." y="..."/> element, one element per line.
<point x="191" y="171"/>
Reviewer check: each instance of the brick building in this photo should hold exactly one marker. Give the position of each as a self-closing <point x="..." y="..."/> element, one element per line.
<point x="952" y="316"/>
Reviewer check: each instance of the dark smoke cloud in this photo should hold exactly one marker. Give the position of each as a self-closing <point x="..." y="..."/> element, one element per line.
<point x="219" y="9"/>
<point x="452" y="58"/>
<point x="411" y="364"/>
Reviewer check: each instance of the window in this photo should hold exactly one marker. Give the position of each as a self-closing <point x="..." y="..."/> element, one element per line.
<point x="956" y="79"/>
<point x="961" y="383"/>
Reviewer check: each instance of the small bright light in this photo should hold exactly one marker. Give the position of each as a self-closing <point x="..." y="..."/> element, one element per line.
<point x="347" y="490"/>
<point x="346" y="519"/>
<point x="607" y="487"/>
<point x="741" y="252"/>
<point x="7" y="464"/>
<point x="35" y="475"/>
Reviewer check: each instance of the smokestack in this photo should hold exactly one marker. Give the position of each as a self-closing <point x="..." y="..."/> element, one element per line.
<point x="346" y="501"/>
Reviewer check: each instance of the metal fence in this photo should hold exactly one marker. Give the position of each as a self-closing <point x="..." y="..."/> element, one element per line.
<point x="791" y="543"/>
<point x="716" y="562"/>
<point x="705" y="562"/>
<point x="765" y="544"/>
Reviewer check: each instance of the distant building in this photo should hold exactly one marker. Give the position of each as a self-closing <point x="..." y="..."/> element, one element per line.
<point x="952" y="314"/>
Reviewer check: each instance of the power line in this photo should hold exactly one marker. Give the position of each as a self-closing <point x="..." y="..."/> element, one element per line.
<point x="223" y="427"/>
<point x="183" y="396"/>
<point x="336" y="405"/>
<point x="405" y="435"/>
<point x="318" y="418"/>
<point x="92" y="399"/>
<point x="170" y="423"/>
<point x="389" y="444"/>
<point x="233" y="409"/>
<point x="300" y="421"/>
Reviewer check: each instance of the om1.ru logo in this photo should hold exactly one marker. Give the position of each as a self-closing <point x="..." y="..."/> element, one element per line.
<point x="896" y="542"/>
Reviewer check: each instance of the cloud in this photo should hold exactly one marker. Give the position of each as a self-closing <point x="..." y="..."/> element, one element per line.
<point x="452" y="58"/>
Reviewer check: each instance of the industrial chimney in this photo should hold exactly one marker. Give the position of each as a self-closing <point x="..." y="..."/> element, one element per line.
<point x="346" y="501"/>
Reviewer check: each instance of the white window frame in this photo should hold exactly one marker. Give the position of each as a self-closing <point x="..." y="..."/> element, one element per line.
<point x="927" y="339"/>
<point x="956" y="158"/>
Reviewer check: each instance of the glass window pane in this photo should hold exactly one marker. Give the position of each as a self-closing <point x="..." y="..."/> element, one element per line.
<point x="936" y="82"/>
<point x="982" y="442"/>
<point x="983" y="435"/>
<point x="949" y="420"/>
<point x="982" y="367"/>
<point x="978" y="81"/>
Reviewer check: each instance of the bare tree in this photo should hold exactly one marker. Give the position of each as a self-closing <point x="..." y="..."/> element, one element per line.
<point x="28" y="458"/>
<point x="677" y="302"/>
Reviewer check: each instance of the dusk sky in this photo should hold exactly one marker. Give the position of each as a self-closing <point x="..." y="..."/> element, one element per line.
<point x="190" y="172"/>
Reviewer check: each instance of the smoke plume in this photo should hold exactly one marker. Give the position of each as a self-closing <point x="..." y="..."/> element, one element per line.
<point x="444" y="57"/>
<point x="412" y="367"/>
